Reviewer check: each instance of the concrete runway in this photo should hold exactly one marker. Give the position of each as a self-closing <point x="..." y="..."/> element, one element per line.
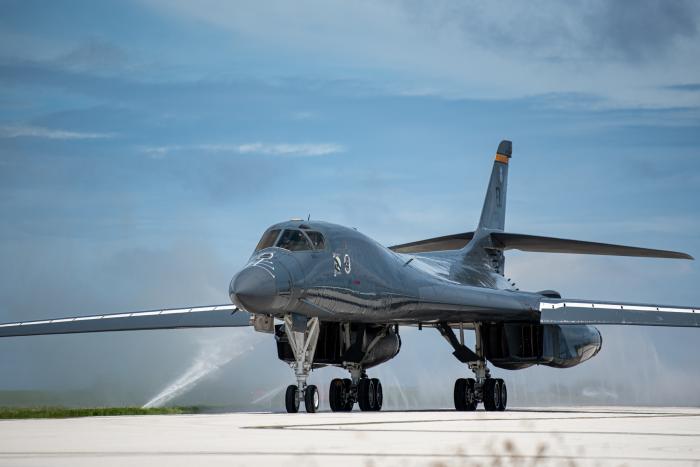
<point x="567" y="436"/>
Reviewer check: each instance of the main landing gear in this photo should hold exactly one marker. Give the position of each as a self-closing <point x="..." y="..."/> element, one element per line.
<point x="367" y="392"/>
<point x="468" y="392"/>
<point x="493" y="390"/>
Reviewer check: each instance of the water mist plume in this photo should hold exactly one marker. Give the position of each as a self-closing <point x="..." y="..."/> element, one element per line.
<point x="212" y="356"/>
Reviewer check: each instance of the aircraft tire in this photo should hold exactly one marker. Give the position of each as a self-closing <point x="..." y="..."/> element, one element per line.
<point x="503" y="399"/>
<point x="348" y="397"/>
<point x="365" y="394"/>
<point x="460" y="393"/>
<point x="378" y="395"/>
<point x="492" y="394"/>
<point x="335" y="395"/>
<point x="470" y="395"/>
<point x="291" y="401"/>
<point x="311" y="399"/>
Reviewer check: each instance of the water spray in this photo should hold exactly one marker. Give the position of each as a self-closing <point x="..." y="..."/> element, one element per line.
<point x="212" y="356"/>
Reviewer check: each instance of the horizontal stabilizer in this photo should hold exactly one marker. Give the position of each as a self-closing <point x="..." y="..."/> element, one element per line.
<point x="200" y="317"/>
<point x="447" y="242"/>
<point x="590" y="312"/>
<point x="512" y="241"/>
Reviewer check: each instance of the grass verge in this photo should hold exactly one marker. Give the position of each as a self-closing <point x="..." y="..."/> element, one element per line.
<point x="63" y="412"/>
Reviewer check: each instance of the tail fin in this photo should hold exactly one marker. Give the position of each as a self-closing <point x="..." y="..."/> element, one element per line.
<point x="493" y="214"/>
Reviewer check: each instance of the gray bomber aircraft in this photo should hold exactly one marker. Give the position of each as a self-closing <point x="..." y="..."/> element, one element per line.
<point x="332" y="296"/>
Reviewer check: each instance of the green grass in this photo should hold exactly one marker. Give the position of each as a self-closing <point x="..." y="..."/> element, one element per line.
<point x="62" y="412"/>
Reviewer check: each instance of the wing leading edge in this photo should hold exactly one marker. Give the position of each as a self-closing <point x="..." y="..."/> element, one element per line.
<point x="172" y="318"/>
<point x="559" y="311"/>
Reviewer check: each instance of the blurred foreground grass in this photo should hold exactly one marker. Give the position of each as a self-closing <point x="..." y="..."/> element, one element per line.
<point x="62" y="412"/>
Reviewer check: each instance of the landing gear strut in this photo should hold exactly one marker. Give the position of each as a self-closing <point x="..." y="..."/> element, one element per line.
<point x="468" y="392"/>
<point x="303" y="337"/>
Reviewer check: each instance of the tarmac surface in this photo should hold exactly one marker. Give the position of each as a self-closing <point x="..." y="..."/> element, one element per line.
<point x="527" y="437"/>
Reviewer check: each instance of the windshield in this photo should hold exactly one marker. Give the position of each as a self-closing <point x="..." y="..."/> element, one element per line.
<point x="268" y="239"/>
<point x="316" y="239"/>
<point x="293" y="240"/>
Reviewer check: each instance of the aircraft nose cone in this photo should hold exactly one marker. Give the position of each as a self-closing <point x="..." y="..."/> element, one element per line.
<point x="255" y="290"/>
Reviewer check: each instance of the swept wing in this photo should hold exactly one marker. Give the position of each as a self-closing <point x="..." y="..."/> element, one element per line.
<point x="570" y="311"/>
<point x="523" y="242"/>
<point x="535" y="243"/>
<point x="171" y="318"/>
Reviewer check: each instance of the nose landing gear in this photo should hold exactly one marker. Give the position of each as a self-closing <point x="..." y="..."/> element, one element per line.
<point x="303" y="337"/>
<point x="291" y="398"/>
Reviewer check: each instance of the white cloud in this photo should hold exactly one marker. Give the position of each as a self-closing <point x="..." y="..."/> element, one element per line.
<point x="158" y="152"/>
<point x="266" y="149"/>
<point x="23" y="131"/>
<point x="318" y="149"/>
<point x="470" y="49"/>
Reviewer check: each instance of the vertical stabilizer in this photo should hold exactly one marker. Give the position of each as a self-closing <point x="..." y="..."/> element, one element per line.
<point x="493" y="214"/>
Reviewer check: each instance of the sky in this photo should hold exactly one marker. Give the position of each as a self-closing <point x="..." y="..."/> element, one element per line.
<point x="146" y="145"/>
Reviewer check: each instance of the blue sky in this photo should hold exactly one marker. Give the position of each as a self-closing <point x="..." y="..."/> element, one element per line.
<point x="144" y="147"/>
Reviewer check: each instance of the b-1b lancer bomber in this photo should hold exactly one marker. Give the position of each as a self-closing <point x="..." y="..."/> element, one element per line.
<point x="330" y="295"/>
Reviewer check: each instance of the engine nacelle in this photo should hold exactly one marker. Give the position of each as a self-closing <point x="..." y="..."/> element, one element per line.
<point x="514" y="346"/>
<point x="386" y="348"/>
<point x="338" y="344"/>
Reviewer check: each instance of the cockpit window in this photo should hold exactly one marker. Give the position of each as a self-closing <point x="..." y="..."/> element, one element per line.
<point x="268" y="239"/>
<point x="316" y="239"/>
<point x="293" y="240"/>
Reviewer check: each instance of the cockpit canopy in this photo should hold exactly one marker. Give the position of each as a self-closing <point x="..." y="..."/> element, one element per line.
<point x="292" y="239"/>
